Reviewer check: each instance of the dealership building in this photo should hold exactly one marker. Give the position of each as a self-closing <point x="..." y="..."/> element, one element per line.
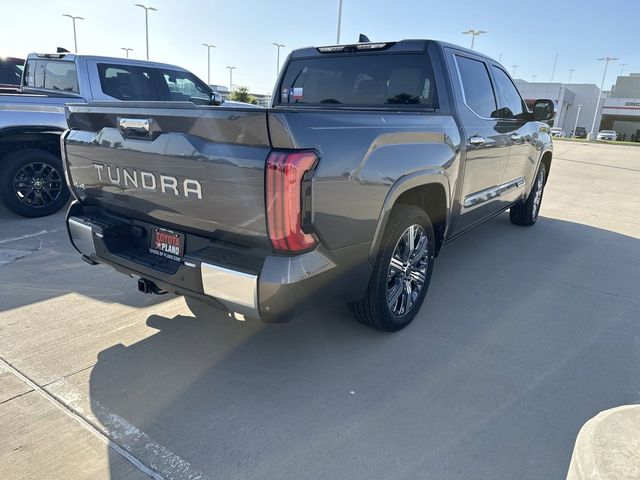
<point x="619" y="109"/>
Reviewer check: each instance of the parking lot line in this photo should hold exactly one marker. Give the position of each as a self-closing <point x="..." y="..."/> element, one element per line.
<point x="84" y="423"/>
<point x="29" y="235"/>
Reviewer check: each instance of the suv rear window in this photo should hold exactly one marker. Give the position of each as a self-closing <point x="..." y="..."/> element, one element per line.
<point x="360" y="81"/>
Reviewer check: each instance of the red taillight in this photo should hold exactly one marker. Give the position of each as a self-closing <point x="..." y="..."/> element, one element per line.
<point x="284" y="177"/>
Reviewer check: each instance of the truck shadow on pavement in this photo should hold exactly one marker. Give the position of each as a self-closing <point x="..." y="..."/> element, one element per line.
<point x="525" y="335"/>
<point x="38" y="263"/>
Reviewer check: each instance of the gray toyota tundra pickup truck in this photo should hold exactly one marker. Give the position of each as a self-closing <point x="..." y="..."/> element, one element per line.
<point x="371" y="158"/>
<point x="32" y="119"/>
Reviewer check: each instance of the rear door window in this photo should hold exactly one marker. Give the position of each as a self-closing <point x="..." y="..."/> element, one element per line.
<point x="127" y="82"/>
<point x="477" y="87"/>
<point x="56" y="75"/>
<point x="360" y="80"/>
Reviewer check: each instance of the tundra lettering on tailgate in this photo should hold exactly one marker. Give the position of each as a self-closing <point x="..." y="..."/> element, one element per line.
<point x="141" y="180"/>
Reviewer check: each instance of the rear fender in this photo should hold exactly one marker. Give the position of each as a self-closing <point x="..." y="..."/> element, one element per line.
<point x="40" y="137"/>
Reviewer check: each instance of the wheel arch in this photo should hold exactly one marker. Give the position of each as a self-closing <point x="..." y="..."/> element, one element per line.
<point x="43" y="138"/>
<point x="545" y="159"/>
<point x="428" y="190"/>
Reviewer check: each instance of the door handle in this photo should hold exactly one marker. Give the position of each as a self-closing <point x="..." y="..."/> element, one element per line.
<point x="477" y="140"/>
<point x="137" y="127"/>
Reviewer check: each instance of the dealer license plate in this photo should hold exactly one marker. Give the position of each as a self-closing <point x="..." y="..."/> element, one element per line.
<point x="167" y="244"/>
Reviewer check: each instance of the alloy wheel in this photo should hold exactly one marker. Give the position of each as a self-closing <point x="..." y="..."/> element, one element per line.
<point x="537" y="199"/>
<point x="37" y="184"/>
<point x="407" y="270"/>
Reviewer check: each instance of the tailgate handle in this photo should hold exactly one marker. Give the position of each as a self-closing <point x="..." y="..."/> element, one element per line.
<point x="139" y="127"/>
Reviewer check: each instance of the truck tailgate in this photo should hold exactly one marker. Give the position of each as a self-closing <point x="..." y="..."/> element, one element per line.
<point x="201" y="168"/>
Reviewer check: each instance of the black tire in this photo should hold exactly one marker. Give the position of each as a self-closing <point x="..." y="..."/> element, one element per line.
<point x="374" y="309"/>
<point x="32" y="182"/>
<point x="526" y="213"/>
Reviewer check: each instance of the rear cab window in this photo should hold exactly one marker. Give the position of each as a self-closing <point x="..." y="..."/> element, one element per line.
<point x="364" y="80"/>
<point x="50" y="74"/>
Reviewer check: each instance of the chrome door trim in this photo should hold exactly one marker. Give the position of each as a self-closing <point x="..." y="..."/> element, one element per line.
<point x="492" y="192"/>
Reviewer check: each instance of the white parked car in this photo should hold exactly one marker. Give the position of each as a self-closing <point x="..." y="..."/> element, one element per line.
<point x="557" y="132"/>
<point x="610" y="135"/>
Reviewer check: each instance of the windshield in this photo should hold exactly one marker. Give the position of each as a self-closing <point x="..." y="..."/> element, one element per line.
<point x="360" y="80"/>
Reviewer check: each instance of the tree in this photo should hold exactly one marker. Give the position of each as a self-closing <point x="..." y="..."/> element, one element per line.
<point x="241" y="94"/>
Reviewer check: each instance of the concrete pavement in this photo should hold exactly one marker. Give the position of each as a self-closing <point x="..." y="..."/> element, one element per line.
<point x="608" y="446"/>
<point x="494" y="382"/>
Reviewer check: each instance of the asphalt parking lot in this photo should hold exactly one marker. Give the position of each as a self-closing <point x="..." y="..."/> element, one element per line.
<point x="525" y="335"/>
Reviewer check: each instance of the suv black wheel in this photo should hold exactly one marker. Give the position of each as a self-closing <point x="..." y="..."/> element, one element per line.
<point x="402" y="271"/>
<point x="526" y="213"/>
<point x="32" y="182"/>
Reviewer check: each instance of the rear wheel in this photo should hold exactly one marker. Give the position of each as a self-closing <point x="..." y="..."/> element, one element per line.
<point x="32" y="182"/>
<point x="526" y="213"/>
<point x="402" y="271"/>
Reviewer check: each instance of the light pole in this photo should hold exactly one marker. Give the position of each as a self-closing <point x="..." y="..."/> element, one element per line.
<point x="576" y="125"/>
<point x="606" y="61"/>
<point x="231" y="69"/>
<point x="555" y="64"/>
<point x="209" y="47"/>
<point x="571" y="70"/>
<point x="533" y="78"/>
<point x="474" y="34"/>
<point x="278" y="45"/>
<point x="622" y="65"/>
<point x="146" y="22"/>
<point x="513" y="73"/>
<point x="75" y="38"/>
<point x="127" y="50"/>
<point x="500" y="58"/>
<point x="339" y="20"/>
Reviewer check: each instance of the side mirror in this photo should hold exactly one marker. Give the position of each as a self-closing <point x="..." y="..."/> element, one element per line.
<point x="216" y="99"/>
<point x="543" y="110"/>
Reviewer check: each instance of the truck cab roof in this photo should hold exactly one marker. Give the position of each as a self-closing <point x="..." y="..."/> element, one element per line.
<point x="400" y="46"/>
<point x="72" y="57"/>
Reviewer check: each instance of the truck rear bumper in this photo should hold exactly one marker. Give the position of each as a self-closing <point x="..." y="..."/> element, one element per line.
<point x="237" y="291"/>
<point x="273" y="288"/>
